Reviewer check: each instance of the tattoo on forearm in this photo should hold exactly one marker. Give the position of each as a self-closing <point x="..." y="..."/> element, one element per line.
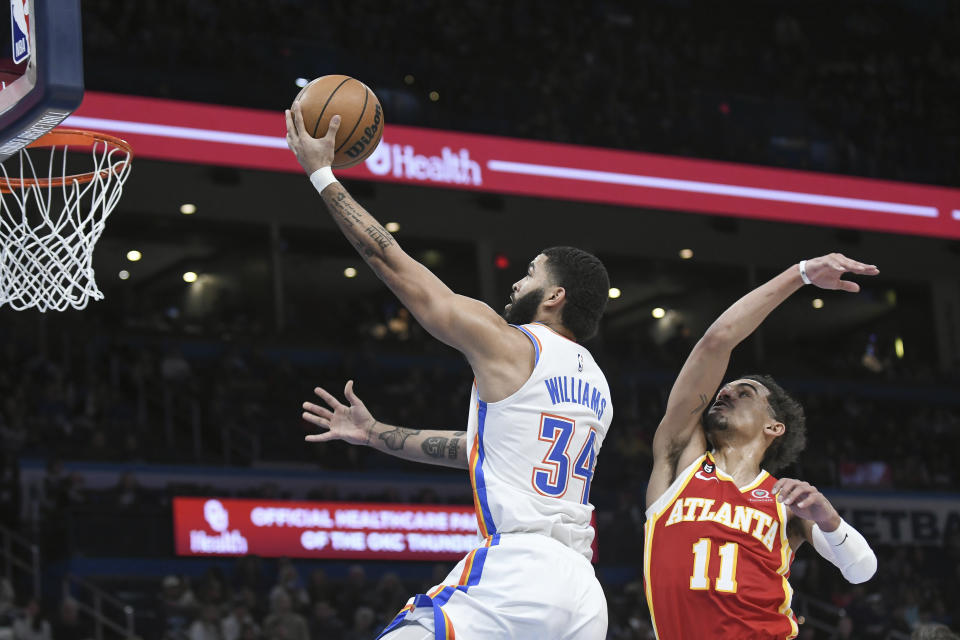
<point x="434" y="446"/>
<point x="379" y="235"/>
<point x="704" y="401"/>
<point x="343" y="208"/>
<point x="453" y="449"/>
<point x="348" y="213"/>
<point x="397" y="436"/>
<point x="459" y="433"/>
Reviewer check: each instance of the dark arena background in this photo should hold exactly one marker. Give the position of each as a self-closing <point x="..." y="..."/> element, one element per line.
<point x="137" y="432"/>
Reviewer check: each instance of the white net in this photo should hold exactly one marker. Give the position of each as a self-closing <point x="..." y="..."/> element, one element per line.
<point x="50" y="219"/>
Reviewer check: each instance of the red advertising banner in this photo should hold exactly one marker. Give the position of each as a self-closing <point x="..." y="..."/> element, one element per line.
<point x="354" y="530"/>
<point x="200" y="133"/>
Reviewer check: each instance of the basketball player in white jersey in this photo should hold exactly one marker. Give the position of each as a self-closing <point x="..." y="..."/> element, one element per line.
<point x="539" y="411"/>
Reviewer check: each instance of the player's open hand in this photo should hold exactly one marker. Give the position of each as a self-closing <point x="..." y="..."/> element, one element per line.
<point x="351" y="423"/>
<point x="806" y="502"/>
<point x="312" y="153"/>
<point x="826" y="272"/>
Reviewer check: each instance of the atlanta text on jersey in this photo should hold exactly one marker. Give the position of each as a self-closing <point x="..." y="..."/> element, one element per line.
<point x="742" y="517"/>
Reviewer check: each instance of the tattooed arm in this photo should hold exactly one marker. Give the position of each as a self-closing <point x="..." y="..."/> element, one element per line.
<point x="680" y="439"/>
<point x="445" y="448"/>
<point x="491" y="346"/>
<point x="353" y="423"/>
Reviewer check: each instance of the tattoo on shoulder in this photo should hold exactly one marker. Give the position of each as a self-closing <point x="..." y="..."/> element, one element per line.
<point x="704" y="401"/>
<point x="434" y="446"/>
<point x="397" y="436"/>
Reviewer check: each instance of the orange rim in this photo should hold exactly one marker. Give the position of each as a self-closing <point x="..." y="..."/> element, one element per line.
<point x="71" y="138"/>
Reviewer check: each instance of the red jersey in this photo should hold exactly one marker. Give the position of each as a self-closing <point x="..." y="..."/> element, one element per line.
<point x="717" y="558"/>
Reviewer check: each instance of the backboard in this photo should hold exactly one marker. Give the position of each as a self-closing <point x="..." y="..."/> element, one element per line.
<point x="41" y="69"/>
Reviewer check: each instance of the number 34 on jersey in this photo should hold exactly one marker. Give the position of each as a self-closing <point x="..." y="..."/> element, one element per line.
<point x="559" y="470"/>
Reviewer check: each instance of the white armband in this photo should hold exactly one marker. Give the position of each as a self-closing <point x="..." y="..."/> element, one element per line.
<point x="848" y="550"/>
<point x="322" y="178"/>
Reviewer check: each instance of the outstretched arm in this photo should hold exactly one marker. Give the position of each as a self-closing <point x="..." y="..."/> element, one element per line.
<point x="813" y="519"/>
<point x="468" y="325"/>
<point x="679" y="438"/>
<point x="353" y="423"/>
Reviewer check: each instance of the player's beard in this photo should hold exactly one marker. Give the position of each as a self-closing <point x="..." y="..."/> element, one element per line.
<point x="714" y="422"/>
<point x="524" y="309"/>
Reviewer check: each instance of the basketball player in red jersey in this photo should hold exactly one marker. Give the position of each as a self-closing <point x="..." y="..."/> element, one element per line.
<point x="721" y="532"/>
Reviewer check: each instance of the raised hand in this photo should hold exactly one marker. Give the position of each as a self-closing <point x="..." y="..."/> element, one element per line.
<point x="806" y="502"/>
<point x="351" y="423"/>
<point x="312" y="153"/>
<point x="826" y="271"/>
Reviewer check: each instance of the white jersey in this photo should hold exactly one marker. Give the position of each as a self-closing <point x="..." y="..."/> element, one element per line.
<point x="532" y="455"/>
<point x="531" y="463"/>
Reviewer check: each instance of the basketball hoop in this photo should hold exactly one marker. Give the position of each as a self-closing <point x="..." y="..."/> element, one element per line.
<point x="50" y="220"/>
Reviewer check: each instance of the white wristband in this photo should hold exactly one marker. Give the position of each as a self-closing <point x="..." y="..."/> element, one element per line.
<point x="322" y="178"/>
<point x="802" y="265"/>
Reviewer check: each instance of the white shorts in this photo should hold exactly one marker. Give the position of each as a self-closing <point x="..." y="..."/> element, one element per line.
<point x="520" y="585"/>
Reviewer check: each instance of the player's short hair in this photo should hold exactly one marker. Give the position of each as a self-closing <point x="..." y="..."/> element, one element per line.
<point x="587" y="286"/>
<point x="783" y="450"/>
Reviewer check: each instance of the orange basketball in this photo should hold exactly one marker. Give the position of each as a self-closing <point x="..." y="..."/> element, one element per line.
<point x="361" y="116"/>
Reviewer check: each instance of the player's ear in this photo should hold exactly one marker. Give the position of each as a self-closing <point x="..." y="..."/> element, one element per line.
<point x="775" y="429"/>
<point x="554" y="296"/>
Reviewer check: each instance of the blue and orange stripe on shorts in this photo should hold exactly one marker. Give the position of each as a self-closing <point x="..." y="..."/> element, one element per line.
<point x="439" y="596"/>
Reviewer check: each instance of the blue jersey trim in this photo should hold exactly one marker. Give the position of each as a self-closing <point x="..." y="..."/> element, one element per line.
<point x="534" y="340"/>
<point x="478" y="473"/>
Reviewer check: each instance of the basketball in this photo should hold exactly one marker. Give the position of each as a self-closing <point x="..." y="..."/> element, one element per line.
<point x="361" y="116"/>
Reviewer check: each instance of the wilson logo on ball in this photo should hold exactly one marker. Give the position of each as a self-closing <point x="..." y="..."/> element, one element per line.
<point x="371" y="134"/>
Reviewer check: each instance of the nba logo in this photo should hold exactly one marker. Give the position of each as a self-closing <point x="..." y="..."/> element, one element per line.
<point x="20" y="28"/>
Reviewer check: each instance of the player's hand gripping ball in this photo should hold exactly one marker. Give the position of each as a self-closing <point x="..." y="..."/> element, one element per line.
<point x="361" y="116"/>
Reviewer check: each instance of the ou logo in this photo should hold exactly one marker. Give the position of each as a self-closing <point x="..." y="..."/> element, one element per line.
<point x="216" y="515"/>
<point x="760" y="493"/>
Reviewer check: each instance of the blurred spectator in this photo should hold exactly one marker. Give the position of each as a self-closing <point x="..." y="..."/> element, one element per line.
<point x="211" y="588"/>
<point x="177" y="604"/>
<point x="32" y="624"/>
<point x="319" y="587"/>
<point x="390" y="595"/>
<point x="288" y="581"/>
<point x="174" y="367"/>
<point x="283" y="623"/>
<point x="363" y="625"/>
<point x="933" y="632"/>
<point x="128" y="491"/>
<point x="206" y="625"/>
<point x="844" y="629"/>
<point x="355" y="592"/>
<point x="248" y="574"/>
<point x="239" y="616"/>
<point x="8" y="607"/>
<point x="250" y="632"/>
<point x="69" y="625"/>
<point x="324" y="622"/>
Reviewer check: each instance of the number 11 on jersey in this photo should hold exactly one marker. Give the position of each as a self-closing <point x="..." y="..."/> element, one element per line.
<point x="553" y="479"/>
<point x="726" y="582"/>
